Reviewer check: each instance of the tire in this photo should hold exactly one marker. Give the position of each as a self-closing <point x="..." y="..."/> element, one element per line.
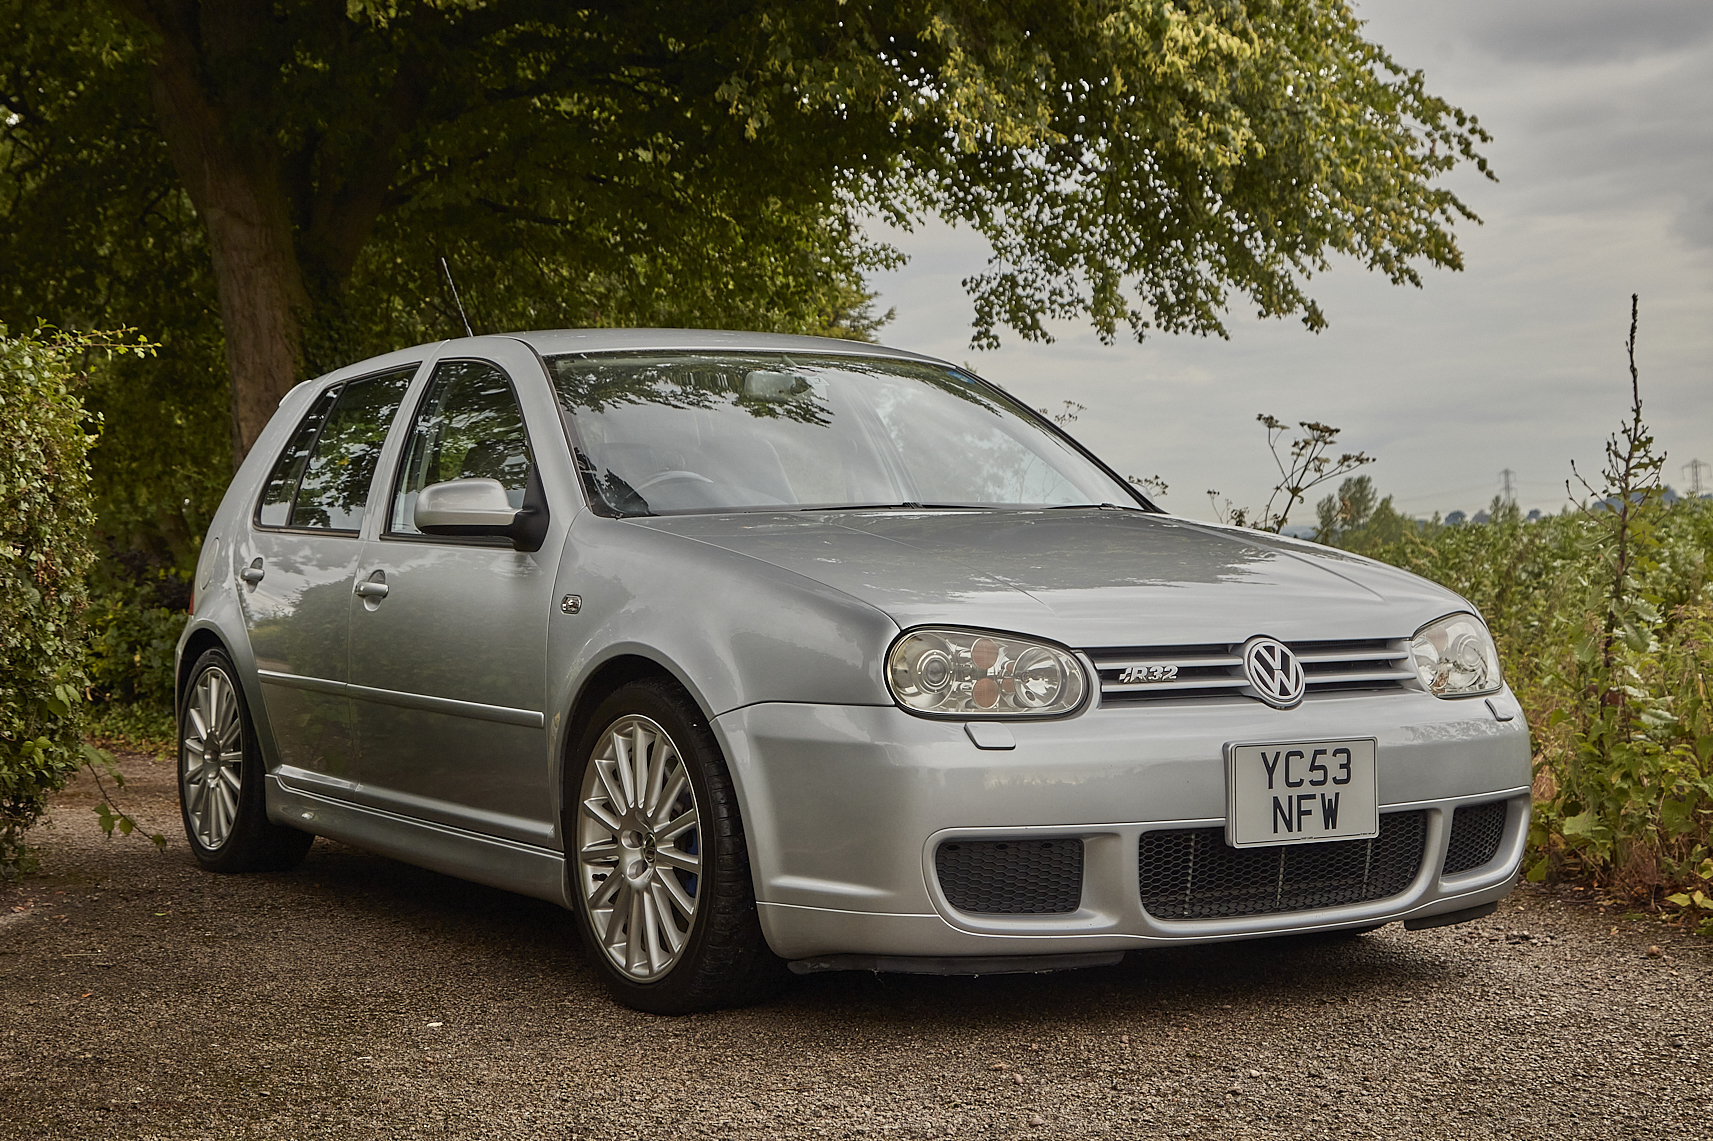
<point x="659" y="872"/>
<point x="221" y="778"/>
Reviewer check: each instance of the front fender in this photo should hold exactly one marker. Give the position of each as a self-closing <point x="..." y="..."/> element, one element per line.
<point x="732" y="630"/>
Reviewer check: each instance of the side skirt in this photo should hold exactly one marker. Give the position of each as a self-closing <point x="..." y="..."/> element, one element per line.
<point x="489" y="860"/>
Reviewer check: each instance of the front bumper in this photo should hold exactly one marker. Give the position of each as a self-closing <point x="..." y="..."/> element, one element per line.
<point x="846" y="806"/>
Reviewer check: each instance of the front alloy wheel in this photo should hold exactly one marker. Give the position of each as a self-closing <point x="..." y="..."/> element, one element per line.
<point x="639" y="848"/>
<point x="659" y="872"/>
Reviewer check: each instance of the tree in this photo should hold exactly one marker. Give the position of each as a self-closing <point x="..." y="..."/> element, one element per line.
<point x="1357" y="520"/>
<point x="1140" y="163"/>
<point x="1348" y="510"/>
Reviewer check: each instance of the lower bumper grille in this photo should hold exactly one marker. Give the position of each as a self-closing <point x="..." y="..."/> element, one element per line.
<point x="1476" y="830"/>
<point x="1191" y="873"/>
<point x="1011" y="877"/>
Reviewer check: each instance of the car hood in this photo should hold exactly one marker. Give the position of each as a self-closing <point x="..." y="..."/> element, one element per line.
<point x="1085" y="577"/>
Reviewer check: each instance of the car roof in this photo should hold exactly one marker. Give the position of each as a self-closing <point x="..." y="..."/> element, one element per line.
<point x="553" y="342"/>
<point x="557" y="342"/>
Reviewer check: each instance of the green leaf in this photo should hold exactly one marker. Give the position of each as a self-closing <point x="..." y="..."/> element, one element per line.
<point x="1584" y="825"/>
<point x="1675" y="816"/>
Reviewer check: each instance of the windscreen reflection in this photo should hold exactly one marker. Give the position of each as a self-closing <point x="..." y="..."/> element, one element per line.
<point x="672" y="433"/>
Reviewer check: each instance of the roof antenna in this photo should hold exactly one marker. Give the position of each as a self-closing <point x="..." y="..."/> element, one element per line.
<point x="458" y="301"/>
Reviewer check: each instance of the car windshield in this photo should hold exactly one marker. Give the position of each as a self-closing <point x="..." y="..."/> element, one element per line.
<point x="673" y="433"/>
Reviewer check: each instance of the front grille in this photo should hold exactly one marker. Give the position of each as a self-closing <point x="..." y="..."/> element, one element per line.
<point x="1194" y="672"/>
<point x="1011" y="877"/>
<point x="1476" y="830"/>
<point x="1191" y="873"/>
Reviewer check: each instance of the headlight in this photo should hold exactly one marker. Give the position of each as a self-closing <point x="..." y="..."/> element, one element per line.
<point x="965" y="673"/>
<point x="1455" y="657"/>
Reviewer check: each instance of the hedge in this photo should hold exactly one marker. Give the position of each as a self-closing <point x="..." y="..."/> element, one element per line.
<point x="45" y="556"/>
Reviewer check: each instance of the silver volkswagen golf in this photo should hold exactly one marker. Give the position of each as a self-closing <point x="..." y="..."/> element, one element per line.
<point x="760" y="650"/>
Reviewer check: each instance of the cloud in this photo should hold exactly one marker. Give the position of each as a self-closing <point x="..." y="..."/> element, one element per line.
<point x="1567" y="32"/>
<point x="1695" y="222"/>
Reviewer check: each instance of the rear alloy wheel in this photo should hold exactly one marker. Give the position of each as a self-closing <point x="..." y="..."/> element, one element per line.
<point x="660" y="870"/>
<point x="220" y="779"/>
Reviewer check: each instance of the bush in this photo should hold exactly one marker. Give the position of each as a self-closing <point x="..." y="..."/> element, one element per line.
<point x="1623" y="730"/>
<point x="45" y="521"/>
<point x="1604" y="620"/>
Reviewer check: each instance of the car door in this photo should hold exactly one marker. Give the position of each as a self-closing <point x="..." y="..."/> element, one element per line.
<point x="448" y="640"/>
<point x="297" y="566"/>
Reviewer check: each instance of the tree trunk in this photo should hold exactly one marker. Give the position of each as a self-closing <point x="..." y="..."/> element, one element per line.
<point x="236" y="189"/>
<point x="256" y="273"/>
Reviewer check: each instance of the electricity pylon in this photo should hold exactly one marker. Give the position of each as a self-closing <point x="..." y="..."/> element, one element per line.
<point x="1693" y="469"/>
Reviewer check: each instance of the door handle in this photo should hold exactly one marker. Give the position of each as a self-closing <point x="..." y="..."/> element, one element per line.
<point x="253" y="573"/>
<point x="375" y="587"/>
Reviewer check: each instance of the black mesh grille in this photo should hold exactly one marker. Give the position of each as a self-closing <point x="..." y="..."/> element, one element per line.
<point x="1476" y="830"/>
<point x="1192" y="873"/>
<point x="1012" y="877"/>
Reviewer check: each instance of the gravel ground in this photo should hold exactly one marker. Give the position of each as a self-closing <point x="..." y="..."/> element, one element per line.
<point x="356" y="997"/>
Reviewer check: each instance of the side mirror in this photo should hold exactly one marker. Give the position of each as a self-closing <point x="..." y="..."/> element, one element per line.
<point x="478" y="507"/>
<point x="464" y="507"/>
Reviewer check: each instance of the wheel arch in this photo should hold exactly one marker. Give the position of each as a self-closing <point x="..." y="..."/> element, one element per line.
<point x="603" y="681"/>
<point x="606" y="678"/>
<point x="199" y="642"/>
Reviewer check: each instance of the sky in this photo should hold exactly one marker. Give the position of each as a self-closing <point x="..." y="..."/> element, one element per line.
<point x="1602" y="122"/>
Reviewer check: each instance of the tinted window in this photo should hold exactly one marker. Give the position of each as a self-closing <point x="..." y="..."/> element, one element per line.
<point x="468" y="426"/>
<point x="335" y="487"/>
<point x="281" y="488"/>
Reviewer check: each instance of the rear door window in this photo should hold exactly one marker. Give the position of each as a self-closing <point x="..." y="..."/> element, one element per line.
<point x="321" y="482"/>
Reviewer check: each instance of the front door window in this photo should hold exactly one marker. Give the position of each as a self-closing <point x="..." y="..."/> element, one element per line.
<point x="468" y="426"/>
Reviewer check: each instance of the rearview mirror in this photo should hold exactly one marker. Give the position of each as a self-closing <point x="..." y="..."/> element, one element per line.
<point x="765" y="385"/>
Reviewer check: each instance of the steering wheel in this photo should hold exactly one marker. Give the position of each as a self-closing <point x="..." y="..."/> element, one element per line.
<point x="671" y="477"/>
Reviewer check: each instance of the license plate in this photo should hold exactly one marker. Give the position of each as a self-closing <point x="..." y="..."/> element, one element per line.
<point x="1300" y="793"/>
